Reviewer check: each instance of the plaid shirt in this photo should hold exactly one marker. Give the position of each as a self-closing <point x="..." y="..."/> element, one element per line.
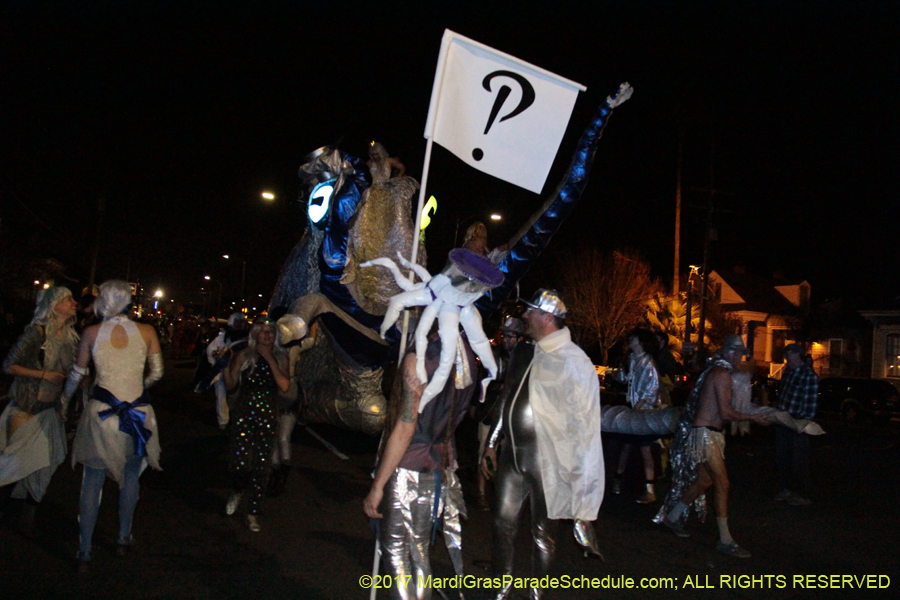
<point x="799" y="392"/>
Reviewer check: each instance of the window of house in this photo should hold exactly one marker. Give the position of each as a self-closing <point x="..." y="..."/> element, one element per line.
<point x="892" y="355"/>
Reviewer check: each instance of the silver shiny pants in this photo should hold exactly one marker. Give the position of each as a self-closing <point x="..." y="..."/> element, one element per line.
<point x="408" y="508"/>
<point x="514" y="486"/>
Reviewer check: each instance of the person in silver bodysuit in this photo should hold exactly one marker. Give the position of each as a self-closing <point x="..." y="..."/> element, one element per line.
<point x="552" y="454"/>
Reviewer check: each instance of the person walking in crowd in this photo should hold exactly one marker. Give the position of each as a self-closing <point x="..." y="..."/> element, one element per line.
<point x="221" y="346"/>
<point x="667" y="366"/>
<point x="261" y="371"/>
<point x="644" y="393"/>
<point x="32" y="437"/>
<point x="552" y="455"/>
<point x="118" y="435"/>
<point x="511" y="333"/>
<point x="799" y="397"/>
<point x="296" y="337"/>
<point x="698" y="453"/>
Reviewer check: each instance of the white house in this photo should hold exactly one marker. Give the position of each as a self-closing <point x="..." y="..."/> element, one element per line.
<point x="770" y="310"/>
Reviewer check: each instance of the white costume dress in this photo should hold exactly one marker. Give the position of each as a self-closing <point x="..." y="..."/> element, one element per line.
<point x="99" y="443"/>
<point x="565" y="396"/>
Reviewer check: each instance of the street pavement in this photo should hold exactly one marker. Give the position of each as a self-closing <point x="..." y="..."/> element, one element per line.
<point x="316" y="543"/>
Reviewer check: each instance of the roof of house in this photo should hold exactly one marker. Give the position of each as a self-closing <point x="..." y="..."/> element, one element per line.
<point x="759" y="293"/>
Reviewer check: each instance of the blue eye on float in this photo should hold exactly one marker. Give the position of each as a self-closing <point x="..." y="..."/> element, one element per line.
<point x="320" y="201"/>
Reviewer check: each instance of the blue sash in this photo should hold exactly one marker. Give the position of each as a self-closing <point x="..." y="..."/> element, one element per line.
<point x="131" y="420"/>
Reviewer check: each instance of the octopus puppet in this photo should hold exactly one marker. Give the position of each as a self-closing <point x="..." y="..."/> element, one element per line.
<point x="447" y="297"/>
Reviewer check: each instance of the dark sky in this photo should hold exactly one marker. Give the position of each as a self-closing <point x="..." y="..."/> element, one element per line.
<point x="180" y="113"/>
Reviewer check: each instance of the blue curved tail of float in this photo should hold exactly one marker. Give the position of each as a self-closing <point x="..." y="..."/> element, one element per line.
<point x="556" y="208"/>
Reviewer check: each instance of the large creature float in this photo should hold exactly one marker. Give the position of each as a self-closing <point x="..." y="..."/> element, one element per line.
<point x="358" y="213"/>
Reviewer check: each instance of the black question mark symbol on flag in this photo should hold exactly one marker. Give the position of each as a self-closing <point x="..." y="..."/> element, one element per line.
<point x="526" y="101"/>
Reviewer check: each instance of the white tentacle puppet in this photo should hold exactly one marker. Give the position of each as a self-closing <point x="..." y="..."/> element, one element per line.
<point x="447" y="297"/>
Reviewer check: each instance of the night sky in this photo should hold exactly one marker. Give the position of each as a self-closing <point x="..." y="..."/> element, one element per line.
<point x="180" y="113"/>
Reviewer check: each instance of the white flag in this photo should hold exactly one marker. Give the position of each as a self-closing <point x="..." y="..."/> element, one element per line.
<point x="497" y="113"/>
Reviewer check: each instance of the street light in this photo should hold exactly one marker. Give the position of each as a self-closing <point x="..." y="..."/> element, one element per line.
<point x="158" y="294"/>
<point x="268" y="195"/>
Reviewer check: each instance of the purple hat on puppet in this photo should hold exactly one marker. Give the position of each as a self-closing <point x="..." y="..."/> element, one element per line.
<point x="476" y="268"/>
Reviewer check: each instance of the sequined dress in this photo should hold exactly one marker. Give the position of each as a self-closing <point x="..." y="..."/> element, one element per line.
<point x="255" y="423"/>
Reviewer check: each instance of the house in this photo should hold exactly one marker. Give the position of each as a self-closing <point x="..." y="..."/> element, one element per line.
<point x="771" y="311"/>
<point x="885" y="344"/>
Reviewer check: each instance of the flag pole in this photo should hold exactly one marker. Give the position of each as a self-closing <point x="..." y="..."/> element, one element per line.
<point x="415" y="246"/>
<point x="429" y="134"/>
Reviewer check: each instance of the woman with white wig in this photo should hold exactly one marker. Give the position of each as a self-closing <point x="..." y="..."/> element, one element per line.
<point x="117" y="436"/>
<point x="261" y="372"/>
<point x="32" y="437"/>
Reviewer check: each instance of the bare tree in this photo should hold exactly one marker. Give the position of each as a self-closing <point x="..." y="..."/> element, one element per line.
<point x="607" y="295"/>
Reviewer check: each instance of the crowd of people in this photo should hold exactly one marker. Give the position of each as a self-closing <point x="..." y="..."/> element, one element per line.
<point x="117" y="435"/>
<point x="539" y="426"/>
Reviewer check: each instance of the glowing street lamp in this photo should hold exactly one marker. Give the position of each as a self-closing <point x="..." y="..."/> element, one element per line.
<point x="268" y="195"/>
<point x="496" y="217"/>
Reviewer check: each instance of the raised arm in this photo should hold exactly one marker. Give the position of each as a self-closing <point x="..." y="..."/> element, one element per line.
<point x="154" y="354"/>
<point x="722" y="383"/>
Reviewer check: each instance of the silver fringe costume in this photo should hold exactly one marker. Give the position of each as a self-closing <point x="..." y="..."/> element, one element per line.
<point x="643" y="383"/>
<point x="683" y="460"/>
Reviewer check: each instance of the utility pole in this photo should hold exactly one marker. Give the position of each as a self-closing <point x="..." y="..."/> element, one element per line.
<point x="710" y="236"/>
<point x="704" y="279"/>
<point x="675" y="280"/>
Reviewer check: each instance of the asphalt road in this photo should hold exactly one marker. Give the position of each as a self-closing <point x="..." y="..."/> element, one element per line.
<point x="316" y="543"/>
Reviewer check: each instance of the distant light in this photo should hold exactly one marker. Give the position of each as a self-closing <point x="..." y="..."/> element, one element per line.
<point x="158" y="293"/>
<point x="206" y="277"/>
<point x="36" y="282"/>
<point x="225" y="256"/>
<point x="496" y="217"/>
<point x="260" y="295"/>
<point x="46" y="286"/>
<point x="268" y="195"/>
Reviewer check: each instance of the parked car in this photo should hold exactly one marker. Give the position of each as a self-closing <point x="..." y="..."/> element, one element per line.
<point x="855" y="399"/>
